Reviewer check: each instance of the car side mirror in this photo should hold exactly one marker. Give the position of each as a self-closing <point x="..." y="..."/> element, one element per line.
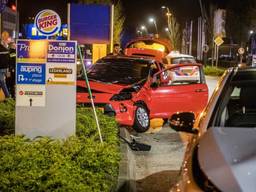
<point x="183" y="122"/>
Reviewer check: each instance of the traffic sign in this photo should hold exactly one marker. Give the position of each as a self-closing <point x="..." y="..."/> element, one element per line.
<point x="205" y="48"/>
<point x="241" y="50"/>
<point x="218" y="41"/>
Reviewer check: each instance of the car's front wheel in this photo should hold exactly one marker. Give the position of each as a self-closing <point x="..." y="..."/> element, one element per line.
<point x="141" y="120"/>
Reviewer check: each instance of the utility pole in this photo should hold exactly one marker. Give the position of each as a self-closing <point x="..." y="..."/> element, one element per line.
<point x="190" y="37"/>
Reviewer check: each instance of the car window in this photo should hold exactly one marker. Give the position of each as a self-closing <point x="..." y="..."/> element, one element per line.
<point x="238" y="106"/>
<point x="182" y="60"/>
<point x="181" y="76"/>
<point x="122" y="71"/>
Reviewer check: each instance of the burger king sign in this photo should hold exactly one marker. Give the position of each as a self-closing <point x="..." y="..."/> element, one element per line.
<point x="48" y="22"/>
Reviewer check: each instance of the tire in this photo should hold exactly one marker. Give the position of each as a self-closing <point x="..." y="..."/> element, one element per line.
<point x="141" y="119"/>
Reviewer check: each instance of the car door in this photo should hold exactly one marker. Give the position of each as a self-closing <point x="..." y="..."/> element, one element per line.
<point x="179" y="88"/>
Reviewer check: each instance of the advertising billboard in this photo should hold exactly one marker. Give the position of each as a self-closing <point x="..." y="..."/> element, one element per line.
<point x="90" y="23"/>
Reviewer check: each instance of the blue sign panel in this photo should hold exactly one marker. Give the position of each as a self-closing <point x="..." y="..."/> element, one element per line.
<point x="61" y="52"/>
<point x="30" y="73"/>
<point x="90" y="24"/>
<point x="23" y="49"/>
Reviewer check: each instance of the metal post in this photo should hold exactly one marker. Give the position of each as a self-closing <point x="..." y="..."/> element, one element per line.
<point x="69" y="33"/>
<point x="203" y="39"/>
<point x="190" y="38"/>
<point x="199" y="38"/>
<point x="217" y="55"/>
<point x="213" y="51"/>
<point x="90" y="93"/>
<point x="112" y="29"/>
<point x="156" y="27"/>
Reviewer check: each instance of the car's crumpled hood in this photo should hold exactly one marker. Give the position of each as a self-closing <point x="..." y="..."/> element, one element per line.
<point x="228" y="158"/>
<point x="103" y="87"/>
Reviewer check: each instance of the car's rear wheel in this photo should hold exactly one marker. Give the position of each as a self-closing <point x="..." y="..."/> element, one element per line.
<point x="141" y="120"/>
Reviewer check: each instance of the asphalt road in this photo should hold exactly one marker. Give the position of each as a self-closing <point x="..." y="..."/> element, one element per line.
<point x="157" y="170"/>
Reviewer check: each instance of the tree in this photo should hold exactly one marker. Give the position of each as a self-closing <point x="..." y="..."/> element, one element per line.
<point x="118" y="21"/>
<point x="174" y="33"/>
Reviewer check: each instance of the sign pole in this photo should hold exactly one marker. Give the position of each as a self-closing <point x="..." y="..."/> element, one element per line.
<point x="90" y="93"/>
<point x="217" y="55"/>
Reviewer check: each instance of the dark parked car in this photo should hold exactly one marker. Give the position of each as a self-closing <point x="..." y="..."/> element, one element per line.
<point x="221" y="155"/>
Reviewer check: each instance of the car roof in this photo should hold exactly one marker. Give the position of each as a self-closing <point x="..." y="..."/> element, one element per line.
<point x="244" y="73"/>
<point x="246" y="69"/>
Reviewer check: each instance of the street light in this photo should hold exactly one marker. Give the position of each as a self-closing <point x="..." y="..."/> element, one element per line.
<point x="168" y="13"/>
<point x="152" y="20"/>
<point x="143" y="28"/>
<point x="251" y="31"/>
<point x="139" y="32"/>
<point x="166" y="29"/>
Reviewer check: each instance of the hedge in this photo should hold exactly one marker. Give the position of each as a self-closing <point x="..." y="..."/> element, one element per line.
<point x="213" y="71"/>
<point x="79" y="163"/>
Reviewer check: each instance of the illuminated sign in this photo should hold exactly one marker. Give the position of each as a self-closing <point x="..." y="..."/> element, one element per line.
<point x="48" y="22"/>
<point x="29" y="73"/>
<point x="31" y="51"/>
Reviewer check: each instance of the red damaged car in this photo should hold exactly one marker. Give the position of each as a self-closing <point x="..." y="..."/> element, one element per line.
<point x="135" y="90"/>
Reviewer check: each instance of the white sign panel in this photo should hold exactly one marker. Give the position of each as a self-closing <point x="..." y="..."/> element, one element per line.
<point x="46" y="87"/>
<point x="61" y="74"/>
<point x="30" y="95"/>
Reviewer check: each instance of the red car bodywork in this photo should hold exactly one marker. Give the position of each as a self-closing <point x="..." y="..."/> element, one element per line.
<point x="161" y="101"/>
<point x="130" y="50"/>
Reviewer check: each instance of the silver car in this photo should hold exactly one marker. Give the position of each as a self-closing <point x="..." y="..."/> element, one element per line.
<point x="221" y="155"/>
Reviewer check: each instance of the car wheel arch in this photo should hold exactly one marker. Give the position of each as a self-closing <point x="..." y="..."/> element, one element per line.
<point x="140" y="102"/>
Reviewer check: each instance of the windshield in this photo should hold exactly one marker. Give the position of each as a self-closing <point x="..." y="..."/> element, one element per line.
<point x="123" y="71"/>
<point x="238" y="108"/>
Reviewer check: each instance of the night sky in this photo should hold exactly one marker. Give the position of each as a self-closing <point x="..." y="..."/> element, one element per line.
<point x="137" y="12"/>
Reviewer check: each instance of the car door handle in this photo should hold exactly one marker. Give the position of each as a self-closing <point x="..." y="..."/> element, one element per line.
<point x="200" y="90"/>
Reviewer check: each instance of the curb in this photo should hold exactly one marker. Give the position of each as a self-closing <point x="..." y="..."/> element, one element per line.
<point x="127" y="175"/>
<point x="212" y="77"/>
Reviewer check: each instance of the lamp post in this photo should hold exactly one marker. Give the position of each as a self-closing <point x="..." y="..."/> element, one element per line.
<point x="168" y="13"/>
<point x="139" y="32"/>
<point x="152" y="20"/>
<point x="143" y="28"/>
